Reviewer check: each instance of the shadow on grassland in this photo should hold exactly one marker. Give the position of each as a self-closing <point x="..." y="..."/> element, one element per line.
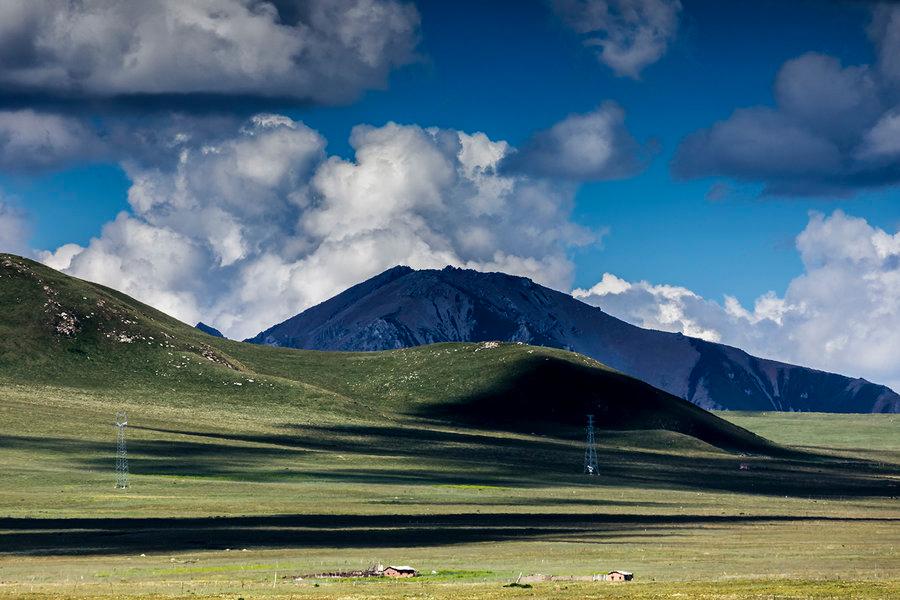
<point x="24" y="536"/>
<point x="544" y="394"/>
<point x="420" y="456"/>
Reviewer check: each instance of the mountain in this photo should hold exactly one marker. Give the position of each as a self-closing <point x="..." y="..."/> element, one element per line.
<point x="403" y="307"/>
<point x="65" y="341"/>
<point x="209" y="330"/>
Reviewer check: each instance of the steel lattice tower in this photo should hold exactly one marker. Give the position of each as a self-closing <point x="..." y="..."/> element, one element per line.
<point x="590" y="451"/>
<point x="121" y="452"/>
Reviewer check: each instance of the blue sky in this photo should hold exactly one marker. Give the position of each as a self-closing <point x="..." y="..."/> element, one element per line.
<point x="674" y="160"/>
<point x="507" y="72"/>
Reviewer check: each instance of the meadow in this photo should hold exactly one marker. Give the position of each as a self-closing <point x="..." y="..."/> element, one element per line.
<point x="225" y="501"/>
<point x="252" y="468"/>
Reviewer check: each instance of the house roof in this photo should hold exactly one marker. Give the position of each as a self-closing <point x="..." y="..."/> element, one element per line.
<point x="621" y="572"/>
<point x="401" y="568"/>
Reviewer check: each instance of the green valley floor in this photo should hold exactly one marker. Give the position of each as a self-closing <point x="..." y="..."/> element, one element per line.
<point x="230" y="504"/>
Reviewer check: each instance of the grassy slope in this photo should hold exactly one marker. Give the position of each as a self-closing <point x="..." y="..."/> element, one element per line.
<point x="345" y="458"/>
<point x="61" y="330"/>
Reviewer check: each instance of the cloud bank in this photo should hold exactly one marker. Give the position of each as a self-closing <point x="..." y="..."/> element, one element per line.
<point x="249" y="229"/>
<point x="73" y="66"/>
<point x="322" y="51"/>
<point x="842" y="314"/>
<point x="629" y="34"/>
<point x="32" y="141"/>
<point x="583" y="147"/>
<point x="833" y="129"/>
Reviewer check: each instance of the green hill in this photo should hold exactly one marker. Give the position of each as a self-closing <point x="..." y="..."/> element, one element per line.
<point x="58" y="330"/>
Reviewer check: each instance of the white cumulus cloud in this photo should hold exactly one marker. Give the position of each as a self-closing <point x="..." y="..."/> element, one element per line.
<point x="247" y="230"/>
<point x="663" y="307"/>
<point x="842" y="314"/>
<point x="629" y="34"/>
<point x="13" y="228"/>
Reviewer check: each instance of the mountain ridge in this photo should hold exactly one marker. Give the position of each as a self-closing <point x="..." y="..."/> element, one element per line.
<point x="403" y="307"/>
<point x="61" y="332"/>
<point x="209" y="329"/>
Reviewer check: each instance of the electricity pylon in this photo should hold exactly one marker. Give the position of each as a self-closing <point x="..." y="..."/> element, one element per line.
<point x="121" y="452"/>
<point x="590" y="451"/>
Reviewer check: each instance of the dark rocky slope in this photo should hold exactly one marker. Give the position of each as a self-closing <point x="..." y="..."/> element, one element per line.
<point x="208" y="329"/>
<point x="402" y="307"/>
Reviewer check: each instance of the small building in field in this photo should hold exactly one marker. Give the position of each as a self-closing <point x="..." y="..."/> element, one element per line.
<point x="619" y="576"/>
<point x="400" y="571"/>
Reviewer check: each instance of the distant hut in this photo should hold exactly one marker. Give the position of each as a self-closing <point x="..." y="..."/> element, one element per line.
<point x="619" y="576"/>
<point x="400" y="571"/>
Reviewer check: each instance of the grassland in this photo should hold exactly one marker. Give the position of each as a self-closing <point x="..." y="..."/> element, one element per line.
<point x="874" y="435"/>
<point x="251" y="465"/>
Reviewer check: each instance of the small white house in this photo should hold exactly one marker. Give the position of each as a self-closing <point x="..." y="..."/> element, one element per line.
<point x="400" y="571"/>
